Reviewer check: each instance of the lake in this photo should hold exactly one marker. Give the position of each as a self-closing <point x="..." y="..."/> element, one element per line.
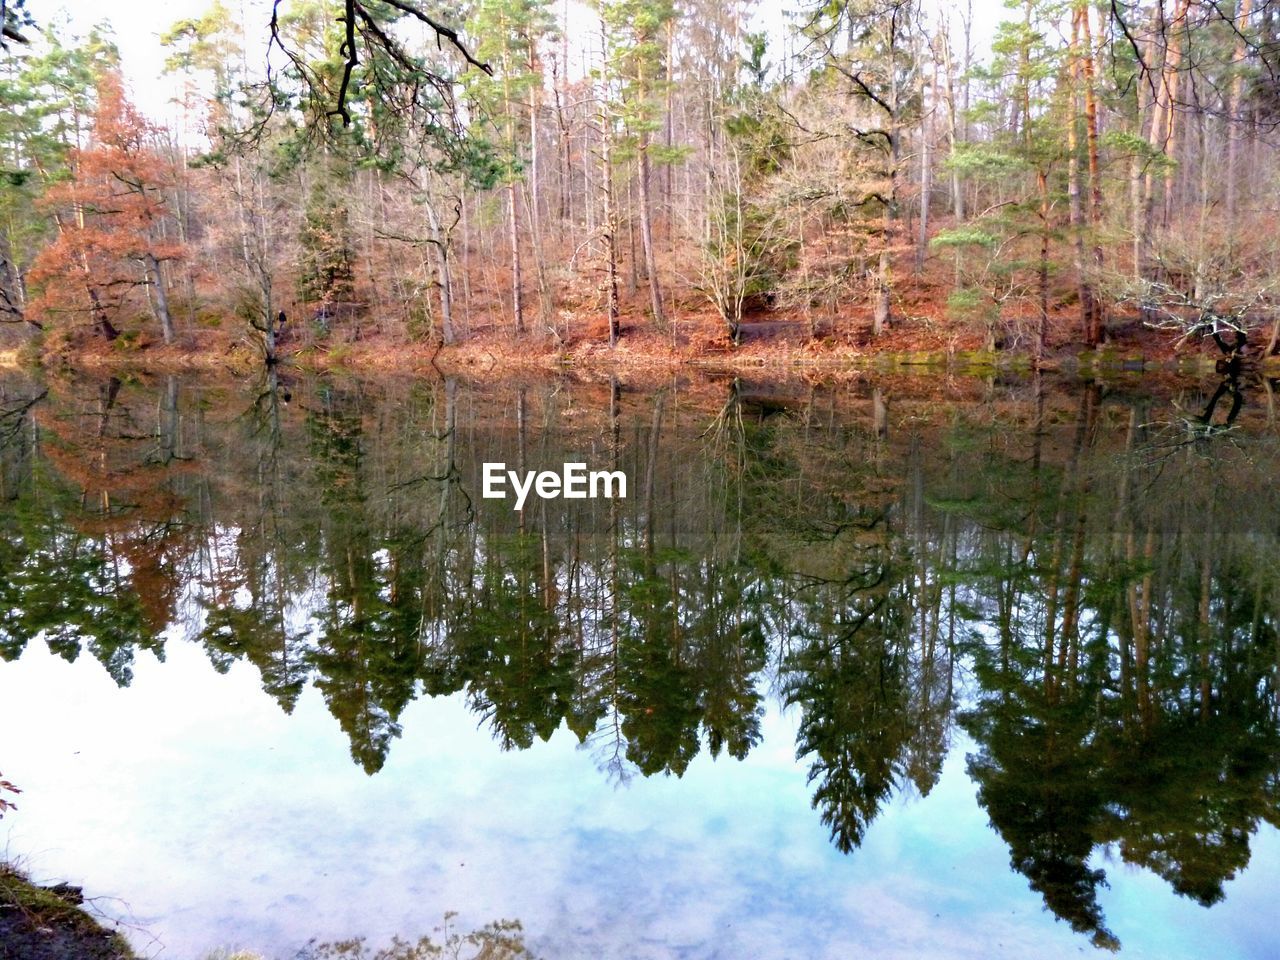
<point x="894" y="666"/>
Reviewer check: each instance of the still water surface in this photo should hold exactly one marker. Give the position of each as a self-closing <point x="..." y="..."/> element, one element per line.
<point x="903" y="670"/>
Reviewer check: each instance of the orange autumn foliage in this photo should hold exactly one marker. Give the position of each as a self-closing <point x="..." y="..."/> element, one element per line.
<point x="111" y="222"/>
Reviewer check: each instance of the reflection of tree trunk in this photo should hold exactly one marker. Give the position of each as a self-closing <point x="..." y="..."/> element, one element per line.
<point x="169" y="420"/>
<point x="880" y="413"/>
<point x="106" y="400"/>
<point x="1139" y="597"/>
<point x="1120" y="519"/>
<point x="655" y="432"/>
<point x="1073" y="495"/>
<point x="1228" y="386"/>
<point x="1202" y="631"/>
<point x="615" y="566"/>
<point x="521" y="444"/>
<point x="451" y="448"/>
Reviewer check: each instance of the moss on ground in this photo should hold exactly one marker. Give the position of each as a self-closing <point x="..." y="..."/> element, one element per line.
<point x="49" y="923"/>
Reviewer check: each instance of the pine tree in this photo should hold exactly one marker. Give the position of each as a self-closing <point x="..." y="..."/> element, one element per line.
<point x="636" y="71"/>
<point x="510" y="32"/>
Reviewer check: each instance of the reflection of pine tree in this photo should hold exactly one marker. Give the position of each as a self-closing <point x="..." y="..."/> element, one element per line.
<point x="1189" y="786"/>
<point x="1038" y="781"/>
<point x="523" y="681"/>
<point x="659" y="688"/>
<point x="247" y="595"/>
<point x="69" y="589"/>
<point x="366" y="668"/>
<point x="726" y="624"/>
<point x="850" y="678"/>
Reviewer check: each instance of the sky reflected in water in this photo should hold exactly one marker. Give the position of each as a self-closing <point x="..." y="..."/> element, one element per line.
<point x="1026" y="642"/>
<point x="220" y="821"/>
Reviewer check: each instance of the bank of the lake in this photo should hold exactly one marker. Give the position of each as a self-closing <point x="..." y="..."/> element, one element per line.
<point x="773" y="347"/>
<point x="50" y="923"/>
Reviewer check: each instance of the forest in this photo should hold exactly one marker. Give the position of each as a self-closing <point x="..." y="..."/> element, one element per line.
<point x="545" y="178"/>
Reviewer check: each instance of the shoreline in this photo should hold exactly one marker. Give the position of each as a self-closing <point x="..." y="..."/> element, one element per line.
<point x="485" y="357"/>
<point x="49" y="923"/>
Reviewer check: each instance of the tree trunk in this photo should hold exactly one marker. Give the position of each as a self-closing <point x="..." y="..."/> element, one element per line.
<point x="513" y="228"/>
<point x="926" y="175"/>
<point x="444" y="278"/>
<point x="884" y="275"/>
<point x="160" y="300"/>
<point x="1233" y="112"/>
<point x="646" y="236"/>
<point x="100" y="319"/>
<point x="1075" y="208"/>
<point x="610" y="217"/>
<point x="1042" y="331"/>
<point x="1161" y="138"/>
<point x="1093" y="333"/>
<point x="953" y="131"/>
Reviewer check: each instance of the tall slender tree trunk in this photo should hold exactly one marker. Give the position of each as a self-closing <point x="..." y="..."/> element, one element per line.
<point x="1042" y="331"/>
<point x="610" y="215"/>
<point x="159" y="297"/>
<point x="1233" y="111"/>
<point x="1094" y="327"/>
<point x="1162" y="137"/>
<point x="1042" y="184"/>
<point x="953" y="130"/>
<point x="560" y="93"/>
<point x="884" y="273"/>
<point x="444" y="278"/>
<point x="513" y="230"/>
<point x="1075" y="206"/>
<point x="926" y="171"/>
<point x="546" y="306"/>
<point x="646" y="237"/>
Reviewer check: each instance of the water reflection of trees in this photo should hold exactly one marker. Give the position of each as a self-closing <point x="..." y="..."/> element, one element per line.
<point x="1094" y="604"/>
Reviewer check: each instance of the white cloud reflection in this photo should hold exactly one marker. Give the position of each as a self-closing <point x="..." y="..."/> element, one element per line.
<point x="219" y="821"/>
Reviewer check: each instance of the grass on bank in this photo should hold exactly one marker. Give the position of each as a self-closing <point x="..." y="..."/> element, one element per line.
<point x="56" y="909"/>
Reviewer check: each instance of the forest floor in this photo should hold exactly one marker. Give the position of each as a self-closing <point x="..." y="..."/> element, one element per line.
<point x="49" y="923"/>
<point x="768" y="343"/>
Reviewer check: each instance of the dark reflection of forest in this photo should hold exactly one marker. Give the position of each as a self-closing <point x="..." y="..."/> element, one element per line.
<point x="1085" y="581"/>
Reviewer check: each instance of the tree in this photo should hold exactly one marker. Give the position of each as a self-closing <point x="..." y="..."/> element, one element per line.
<point x="47" y="99"/>
<point x="113" y="223"/>
<point x="635" y="69"/>
<point x="326" y="274"/>
<point x="510" y="33"/>
<point x="14" y="18"/>
<point x="744" y="255"/>
<point x="369" y="39"/>
<point x="868" y="43"/>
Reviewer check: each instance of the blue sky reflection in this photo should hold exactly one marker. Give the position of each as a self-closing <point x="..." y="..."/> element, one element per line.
<point x="220" y="821"/>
